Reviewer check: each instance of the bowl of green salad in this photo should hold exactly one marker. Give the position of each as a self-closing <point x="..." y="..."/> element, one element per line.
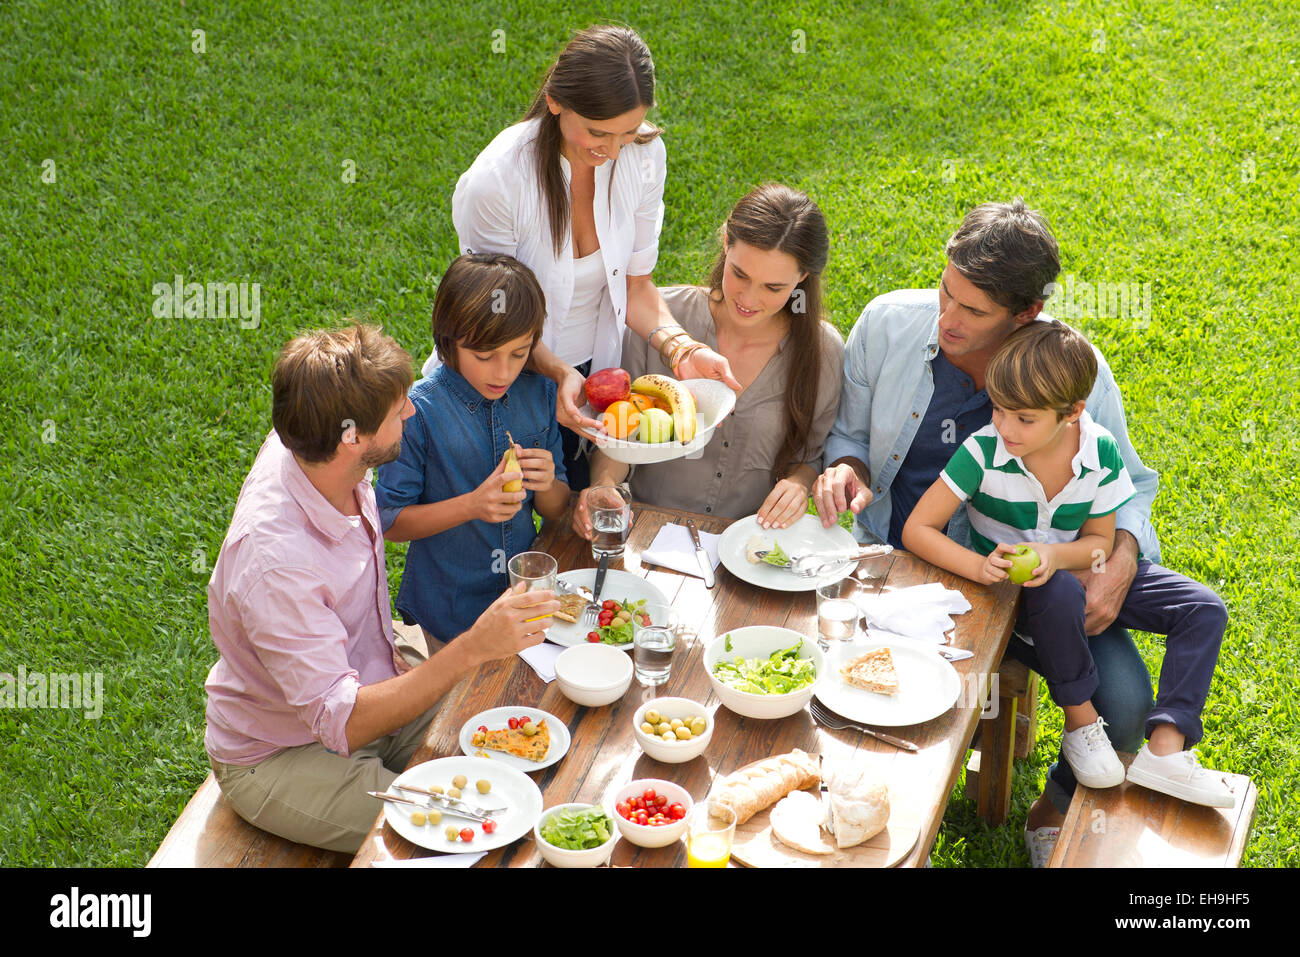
<point x="575" y="835"/>
<point x="763" y="671"/>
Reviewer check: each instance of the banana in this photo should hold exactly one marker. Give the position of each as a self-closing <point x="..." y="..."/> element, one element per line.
<point x="677" y="396"/>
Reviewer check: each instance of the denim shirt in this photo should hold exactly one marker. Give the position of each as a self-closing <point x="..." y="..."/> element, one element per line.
<point x="888" y="384"/>
<point x="449" y="446"/>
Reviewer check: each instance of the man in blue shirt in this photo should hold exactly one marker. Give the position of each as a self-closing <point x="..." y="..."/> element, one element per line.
<point x="914" y="391"/>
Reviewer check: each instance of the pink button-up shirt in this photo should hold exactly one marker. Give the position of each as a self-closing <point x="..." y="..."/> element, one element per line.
<point x="298" y="608"/>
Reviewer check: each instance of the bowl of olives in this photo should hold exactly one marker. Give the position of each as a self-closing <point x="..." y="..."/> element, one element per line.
<point x="672" y="730"/>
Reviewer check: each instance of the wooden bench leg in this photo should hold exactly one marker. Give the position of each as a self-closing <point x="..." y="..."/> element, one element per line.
<point x="998" y="741"/>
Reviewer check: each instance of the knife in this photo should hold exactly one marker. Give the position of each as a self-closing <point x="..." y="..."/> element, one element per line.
<point x="425" y="806"/>
<point x="705" y="565"/>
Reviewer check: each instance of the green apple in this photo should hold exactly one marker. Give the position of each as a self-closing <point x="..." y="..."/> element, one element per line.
<point x="1023" y="561"/>
<point x="656" y="426"/>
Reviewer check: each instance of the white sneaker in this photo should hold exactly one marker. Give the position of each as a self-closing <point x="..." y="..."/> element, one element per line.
<point x="1092" y="757"/>
<point x="1040" y="843"/>
<point x="1180" y="775"/>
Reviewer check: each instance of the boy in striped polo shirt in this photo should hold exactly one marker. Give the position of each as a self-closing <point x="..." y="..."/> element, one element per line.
<point x="1046" y="476"/>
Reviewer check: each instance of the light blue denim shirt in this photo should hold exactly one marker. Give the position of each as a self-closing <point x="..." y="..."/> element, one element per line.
<point x="888" y="384"/>
<point x="449" y="446"/>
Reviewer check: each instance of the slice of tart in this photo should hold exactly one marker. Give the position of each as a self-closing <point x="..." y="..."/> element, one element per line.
<point x="873" y="671"/>
<point x="571" y="608"/>
<point x="532" y="747"/>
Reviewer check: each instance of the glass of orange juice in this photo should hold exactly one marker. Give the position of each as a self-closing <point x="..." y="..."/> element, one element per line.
<point x="709" y="833"/>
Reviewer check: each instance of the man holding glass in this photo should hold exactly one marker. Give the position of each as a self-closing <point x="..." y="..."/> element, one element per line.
<point x="311" y="704"/>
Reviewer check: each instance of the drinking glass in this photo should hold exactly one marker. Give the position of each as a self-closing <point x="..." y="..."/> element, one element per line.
<point x="610" y="507"/>
<point x="710" y="830"/>
<point x="838" y="611"/>
<point x="536" y="569"/>
<point x="653" y="644"/>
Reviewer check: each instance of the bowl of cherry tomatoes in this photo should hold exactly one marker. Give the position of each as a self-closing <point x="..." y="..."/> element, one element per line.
<point x="651" y="812"/>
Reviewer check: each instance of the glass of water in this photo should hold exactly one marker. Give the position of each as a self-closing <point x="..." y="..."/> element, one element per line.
<point x="610" y="507"/>
<point x="653" y="643"/>
<point x="838" y="610"/>
<point x="537" y="569"/>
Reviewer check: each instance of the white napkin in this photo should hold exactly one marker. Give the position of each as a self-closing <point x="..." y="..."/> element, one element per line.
<point x="440" y="860"/>
<point x="673" y="548"/>
<point x="542" y="660"/>
<point x="919" y="611"/>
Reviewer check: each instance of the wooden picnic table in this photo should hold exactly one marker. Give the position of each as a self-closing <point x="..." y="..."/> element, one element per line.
<point x="604" y="756"/>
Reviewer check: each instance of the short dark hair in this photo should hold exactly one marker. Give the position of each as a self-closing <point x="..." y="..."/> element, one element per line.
<point x="1008" y="251"/>
<point x="1042" y="365"/>
<point x="484" y="301"/>
<point x="328" y="381"/>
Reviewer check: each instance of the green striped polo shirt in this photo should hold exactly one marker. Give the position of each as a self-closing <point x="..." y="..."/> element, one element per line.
<point x="1006" y="503"/>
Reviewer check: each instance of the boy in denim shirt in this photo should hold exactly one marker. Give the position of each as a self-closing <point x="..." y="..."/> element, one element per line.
<point x="445" y="492"/>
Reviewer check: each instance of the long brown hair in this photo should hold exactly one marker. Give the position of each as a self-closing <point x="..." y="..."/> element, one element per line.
<point x="603" y="72"/>
<point x="787" y="220"/>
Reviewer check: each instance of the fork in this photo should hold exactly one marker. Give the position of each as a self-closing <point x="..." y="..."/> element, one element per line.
<point x="823" y="715"/>
<point x="592" y="611"/>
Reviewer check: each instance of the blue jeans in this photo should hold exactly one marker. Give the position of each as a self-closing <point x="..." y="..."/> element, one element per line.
<point x="1123" y="698"/>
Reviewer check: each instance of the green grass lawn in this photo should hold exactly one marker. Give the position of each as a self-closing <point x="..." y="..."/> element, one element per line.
<point x="1160" y="138"/>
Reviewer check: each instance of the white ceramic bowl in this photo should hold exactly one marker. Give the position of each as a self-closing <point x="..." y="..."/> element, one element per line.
<point x="759" y="641"/>
<point x="593" y="675"/>
<point x="713" y="403"/>
<point x="643" y="835"/>
<point x="562" y="857"/>
<point x="672" y="752"/>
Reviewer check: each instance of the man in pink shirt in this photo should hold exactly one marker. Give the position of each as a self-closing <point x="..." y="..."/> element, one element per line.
<point x="310" y="704"/>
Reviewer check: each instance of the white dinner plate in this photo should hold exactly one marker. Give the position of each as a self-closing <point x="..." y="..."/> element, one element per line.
<point x="498" y="718"/>
<point x="621" y="586"/>
<point x="511" y="789"/>
<point x="805" y="535"/>
<point x="928" y="686"/>
<point x="713" y="403"/>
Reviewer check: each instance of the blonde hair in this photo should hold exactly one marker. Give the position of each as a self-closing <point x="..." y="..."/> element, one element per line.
<point x="1042" y="365"/>
<point x="328" y="382"/>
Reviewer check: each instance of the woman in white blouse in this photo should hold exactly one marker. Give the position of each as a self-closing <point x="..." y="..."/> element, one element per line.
<point x="575" y="192"/>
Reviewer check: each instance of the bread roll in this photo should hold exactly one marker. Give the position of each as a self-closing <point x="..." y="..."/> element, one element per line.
<point x="751" y="789"/>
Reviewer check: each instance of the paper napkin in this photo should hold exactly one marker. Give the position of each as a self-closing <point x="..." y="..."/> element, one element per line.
<point x="673" y="548"/>
<point x="542" y="659"/>
<point x="919" y="611"/>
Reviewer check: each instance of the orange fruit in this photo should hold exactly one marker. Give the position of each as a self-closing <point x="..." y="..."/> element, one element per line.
<point x="643" y="402"/>
<point x="620" y="419"/>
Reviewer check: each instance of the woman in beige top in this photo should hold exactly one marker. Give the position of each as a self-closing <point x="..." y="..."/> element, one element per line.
<point x="762" y="310"/>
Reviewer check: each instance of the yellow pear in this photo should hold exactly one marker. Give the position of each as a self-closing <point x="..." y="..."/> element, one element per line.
<point x="512" y="465"/>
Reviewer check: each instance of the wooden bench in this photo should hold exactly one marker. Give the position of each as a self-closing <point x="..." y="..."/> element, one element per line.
<point x="210" y="834"/>
<point x="1132" y="826"/>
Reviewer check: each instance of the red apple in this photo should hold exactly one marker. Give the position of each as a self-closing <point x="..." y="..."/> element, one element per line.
<point x="608" y="386"/>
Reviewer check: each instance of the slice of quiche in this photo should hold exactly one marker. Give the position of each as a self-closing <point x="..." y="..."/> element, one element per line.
<point x="873" y="671"/>
<point x="533" y="747"/>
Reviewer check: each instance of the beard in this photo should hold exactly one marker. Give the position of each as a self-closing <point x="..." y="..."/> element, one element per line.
<point x="376" y="456"/>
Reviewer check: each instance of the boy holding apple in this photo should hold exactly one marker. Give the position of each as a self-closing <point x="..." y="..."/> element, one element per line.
<point x="1045" y="476"/>
<point x="450" y="492"/>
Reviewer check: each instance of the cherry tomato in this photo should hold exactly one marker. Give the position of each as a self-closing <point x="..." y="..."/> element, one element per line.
<point x="514" y="724"/>
<point x="677" y="812"/>
<point x="648" y="796"/>
<point x="642" y="817"/>
<point x="593" y="636"/>
<point x="661" y="800"/>
<point x="489" y="827"/>
<point x="467" y="834"/>
<point x="609" y="604"/>
<point x="483" y="728"/>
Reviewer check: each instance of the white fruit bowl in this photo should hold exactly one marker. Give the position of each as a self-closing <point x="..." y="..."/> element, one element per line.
<point x="714" y="402"/>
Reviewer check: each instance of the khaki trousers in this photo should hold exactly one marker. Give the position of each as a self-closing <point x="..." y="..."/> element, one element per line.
<point x="309" y="795"/>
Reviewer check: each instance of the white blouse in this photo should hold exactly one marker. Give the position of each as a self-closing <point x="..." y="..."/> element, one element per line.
<point x="499" y="207"/>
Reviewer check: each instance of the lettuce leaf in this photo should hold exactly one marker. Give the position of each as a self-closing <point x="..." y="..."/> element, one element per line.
<point x="780" y="673"/>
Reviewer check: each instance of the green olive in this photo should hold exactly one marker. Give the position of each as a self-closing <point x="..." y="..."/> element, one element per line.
<point x="484" y="786"/>
<point x="453" y="792"/>
<point x="647" y="728"/>
<point x="683" y="733"/>
<point x="669" y="736"/>
<point x="434" y="816"/>
<point x="452" y="832"/>
<point x="652" y="716"/>
<point x="664" y="727"/>
<point x="529" y="729"/>
<point x="460" y="780"/>
<point x="418" y="818"/>
<point x="676" y="723"/>
<point x="698" y="725"/>
<point x="436" y="789"/>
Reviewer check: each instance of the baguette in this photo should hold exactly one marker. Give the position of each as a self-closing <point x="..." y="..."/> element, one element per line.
<point x="752" y="789"/>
